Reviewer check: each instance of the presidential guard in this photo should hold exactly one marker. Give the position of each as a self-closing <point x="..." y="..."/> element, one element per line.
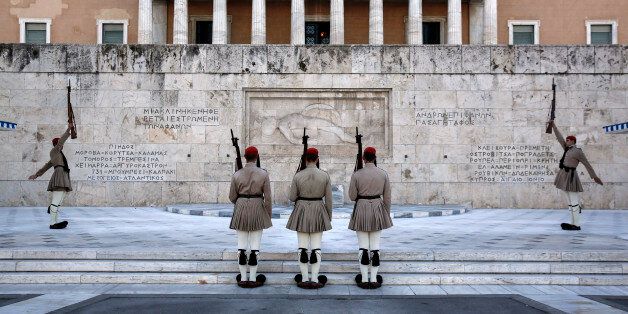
<point x="250" y="192"/>
<point x="311" y="192"/>
<point x="370" y="190"/>
<point x="567" y="178"/>
<point x="59" y="183"/>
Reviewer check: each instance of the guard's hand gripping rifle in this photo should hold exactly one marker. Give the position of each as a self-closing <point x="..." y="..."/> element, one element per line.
<point x="358" y="159"/>
<point x="548" y="130"/>
<point x="303" y="163"/>
<point x="71" y="121"/>
<point x="234" y="141"/>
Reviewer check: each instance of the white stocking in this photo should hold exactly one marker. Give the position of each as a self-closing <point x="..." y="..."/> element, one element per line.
<point x="304" y="241"/>
<point x="574" y="207"/>
<point x="243" y="239"/>
<point x="363" y="243"/>
<point x="315" y="244"/>
<point x="374" y="237"/>
<point x="255" y="240"/>
<point x="55" y="205"/>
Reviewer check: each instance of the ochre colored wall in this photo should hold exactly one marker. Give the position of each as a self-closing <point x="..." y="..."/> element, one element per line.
<point x="74" y="21"/>
<point x="563" y="21"/>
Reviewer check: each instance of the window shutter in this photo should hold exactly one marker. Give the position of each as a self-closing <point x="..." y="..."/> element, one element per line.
<point x="112" y="33"/>
<point x="35" y="33"/>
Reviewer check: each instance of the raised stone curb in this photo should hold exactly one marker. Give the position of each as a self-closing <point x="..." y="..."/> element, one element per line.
<point x="282" y="212"/>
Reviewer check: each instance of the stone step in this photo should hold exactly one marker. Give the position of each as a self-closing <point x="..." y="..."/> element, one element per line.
<point x="230" y="266"/>
<point x="287" y="278"/>
<point x="426" y="255"/>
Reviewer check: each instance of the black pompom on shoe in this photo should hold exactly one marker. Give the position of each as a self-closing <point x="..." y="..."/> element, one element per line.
<point x="260" y="279"/>
<point x="322" y="279"/>
<point x="239" y="278"/>
<point x="298" y="278"/>
<point x="380" y="279"/>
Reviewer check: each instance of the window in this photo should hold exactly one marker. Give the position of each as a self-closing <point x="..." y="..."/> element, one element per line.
<point x="112" y="31"/>
<point x="523" y="32"/>
<point x="35" y="31"/>
<point x="201" y="29"/>
<point x="432" y="33"/>
<point x="601" y="32"/>
<point x="317" y="33"/>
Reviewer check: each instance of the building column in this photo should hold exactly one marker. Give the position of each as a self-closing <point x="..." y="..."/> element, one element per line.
<point x="454" y="22"/>
<point x="476" y="22"/>
<point x="219" y="23"/>
<point x="145" y="22"/>
<point x="376" y="22"/>
<point x="258" y="27"/>
<point x="180" y="26"/>
<point x="297" y="23"/>
<point x="337" y="23"/>
<point x="415" y="23"/>
<point x="490" y="22"/>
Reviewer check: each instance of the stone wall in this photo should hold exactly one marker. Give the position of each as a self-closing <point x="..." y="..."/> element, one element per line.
<point x="453" y="124"/>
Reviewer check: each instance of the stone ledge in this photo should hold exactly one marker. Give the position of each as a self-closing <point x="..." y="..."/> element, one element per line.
<point x="286" y="59"/>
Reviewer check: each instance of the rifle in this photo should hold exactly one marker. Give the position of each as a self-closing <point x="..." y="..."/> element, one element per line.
<point x="234" y="141"/>
<point x="303" y="164"/>
<point x="548" y="130"/>
<point x="358" y="160"/>
<point x="71" y="115"/>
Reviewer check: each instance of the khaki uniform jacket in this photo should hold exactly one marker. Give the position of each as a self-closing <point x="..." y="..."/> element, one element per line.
<point x="370" y="214"/>
<point x="565" y="180"/>
<point x="311" y="215"/>
<point x="60" y="180"/>
<point x="251" y="214"/>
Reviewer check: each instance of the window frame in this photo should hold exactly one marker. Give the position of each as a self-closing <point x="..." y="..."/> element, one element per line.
<point x="125" y="28"/>
<point x="24" y="21"/>
<point x="612" y="23"/>
<point x="535" y="23"/>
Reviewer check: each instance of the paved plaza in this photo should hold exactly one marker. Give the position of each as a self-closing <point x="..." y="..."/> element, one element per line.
<point x="154" y="229"/>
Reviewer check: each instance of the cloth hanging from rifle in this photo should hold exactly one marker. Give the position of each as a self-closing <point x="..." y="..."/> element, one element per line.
<point x="65" y="164"/>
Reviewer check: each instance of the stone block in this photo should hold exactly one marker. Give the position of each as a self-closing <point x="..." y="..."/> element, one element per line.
<point x="175" y="192"/>
<point x="118" y="193"/>
<point x="396" y="59"/>
<point x="26" y="58"/>
<point x="282" y="59"/>
<point x="53" y="58"/>
<point x="64" y="266"/>
<point x="528" y="59"/>
<point x="366" y="59"/>
<point x="156" y="266"/>
<point x="26" y="278"/>
<point x="323" y="59"/>
<point x="554" y="59"/>
<point x="193" y="59"/>
<point x="113" y="58"/>
<point x="82" y="59"/>
<point x="508" y="267"/>
<point x="166" y="58"/>
<point x="224" y="59"/>
<point x="609" y="59"/>
<point x="443" y="173"/>
<point x="503" y="59"/>
<point x="53" y="255"/>
<point x="476" y="59"/>
<point x="6" y="57"/>
<point x="415" y="172"/>
<point x="587" y="268"/>
<point x="581" y="59"/>
<point x="255" y="59"/>
<point x="140" y="59"/>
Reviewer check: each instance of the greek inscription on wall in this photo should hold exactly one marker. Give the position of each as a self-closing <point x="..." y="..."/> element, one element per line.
<point x="175" y="118"/>
<point x="123" y="162"/>
<point x="512" y="163"/>
<point x="454" y="117"/>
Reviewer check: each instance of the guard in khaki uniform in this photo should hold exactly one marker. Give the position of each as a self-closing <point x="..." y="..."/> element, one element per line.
<point x="250" y="192"/>
<point x="567" y="178"/>
<point x="370" y="190"/>
<point x="59" y="183"/>
<point x="311" y="192"/>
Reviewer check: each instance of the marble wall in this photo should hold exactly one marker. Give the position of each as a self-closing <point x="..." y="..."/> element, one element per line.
<point x="453" y="124"/>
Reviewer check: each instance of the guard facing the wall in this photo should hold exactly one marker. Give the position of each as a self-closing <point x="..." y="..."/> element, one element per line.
<point x="59" y="183"/>
<point x="370" y="190"/>
<point x="250" y="192"/>
<point x="567" y="178"/>
<point x="311" y="192"/>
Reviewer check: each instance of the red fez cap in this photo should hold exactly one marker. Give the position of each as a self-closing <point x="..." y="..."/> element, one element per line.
<point x="250" y="151"/>
<point x="572" y="138"/>
<point x="369" y="150"/>
<point x="55" y="141"/>
<point x="312" y="151"/>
